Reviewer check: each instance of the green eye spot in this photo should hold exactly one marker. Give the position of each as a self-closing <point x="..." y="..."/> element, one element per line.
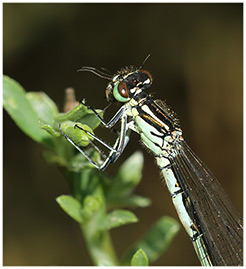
<point x="120" y="92"/>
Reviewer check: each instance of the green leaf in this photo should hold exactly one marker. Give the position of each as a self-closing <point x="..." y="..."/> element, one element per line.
<point x="49" y="129"/>
<point x="91" y="205"/>
<point x="139" y="259"/>
<point x="118" y="218"/>
<point x="74" y="115"/>
<point x="54" y="158"/>
<point x="125" y="181"/>
<point x="78" y="162"/>
<point x="78" y="136"/>
<point x="157" y="240"/>
<point x="129" y="201"/>
<point x="21" y="111"/>
<point x="91" y="120"/>
<point x="130" y="171"/>
<point x="71" y="206"/>
<point x="137" y="201"/>
<point x="81" y="114"/>
<point x="45" y="108"/>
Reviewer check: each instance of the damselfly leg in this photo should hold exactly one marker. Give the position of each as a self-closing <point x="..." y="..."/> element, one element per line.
<point x="119" y="145"/>
<point x="112" y="121"/>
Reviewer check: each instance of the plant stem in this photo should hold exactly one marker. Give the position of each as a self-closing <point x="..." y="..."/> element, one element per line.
<point x="87" y="188"/>
<point x="100" y="247"/>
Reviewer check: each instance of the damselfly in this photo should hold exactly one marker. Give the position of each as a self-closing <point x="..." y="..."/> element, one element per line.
<point x="208" y="216"/>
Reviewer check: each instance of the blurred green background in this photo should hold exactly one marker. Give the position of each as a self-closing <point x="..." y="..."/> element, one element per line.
<point x="196" y="63"/>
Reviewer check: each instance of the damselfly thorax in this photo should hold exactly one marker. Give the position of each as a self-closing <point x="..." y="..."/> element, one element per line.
<point x="208" y="216"/>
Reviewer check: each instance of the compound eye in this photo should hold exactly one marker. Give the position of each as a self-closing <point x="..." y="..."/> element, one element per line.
<point x="120" y="92"/>
<point x="122" y="89"/>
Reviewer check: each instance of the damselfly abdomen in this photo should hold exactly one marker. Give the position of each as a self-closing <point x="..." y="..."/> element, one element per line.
<point x="208" y="216"/>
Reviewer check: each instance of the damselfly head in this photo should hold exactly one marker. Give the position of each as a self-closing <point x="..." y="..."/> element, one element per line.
<point x="127" y="83"/>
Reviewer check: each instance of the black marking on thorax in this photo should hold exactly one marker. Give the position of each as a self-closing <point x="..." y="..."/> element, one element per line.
<point x="164" y="119"/>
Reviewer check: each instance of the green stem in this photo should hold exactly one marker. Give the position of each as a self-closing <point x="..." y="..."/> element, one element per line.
<point x="100" y="247"/>
<point x="87" y="188"/>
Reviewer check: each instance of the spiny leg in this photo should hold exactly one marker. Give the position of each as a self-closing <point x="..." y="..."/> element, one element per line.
<point x="102" y="154"/>
<point x="126" y="140"/>
<point x="95" y="137"/>
<point x="113" y="156"/>
<point x="79" y="149"/>
<point x="115" y="151"/>
<point x="93" y="109"/>
<point x="112" y="121"/>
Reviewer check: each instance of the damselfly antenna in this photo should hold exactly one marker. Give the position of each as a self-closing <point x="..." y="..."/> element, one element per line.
<point x="141" y="66"/>
<point x="109" y="72"/>
<point x="96" y="71"/>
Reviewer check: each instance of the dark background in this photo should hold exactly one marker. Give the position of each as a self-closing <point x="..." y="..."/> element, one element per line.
<point x="196" y="62"/>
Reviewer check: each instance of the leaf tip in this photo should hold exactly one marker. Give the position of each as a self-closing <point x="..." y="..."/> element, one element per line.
<point x="140" y="259"/>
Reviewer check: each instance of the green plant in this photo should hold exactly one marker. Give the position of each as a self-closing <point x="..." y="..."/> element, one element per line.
<point x="96" y="201"/>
